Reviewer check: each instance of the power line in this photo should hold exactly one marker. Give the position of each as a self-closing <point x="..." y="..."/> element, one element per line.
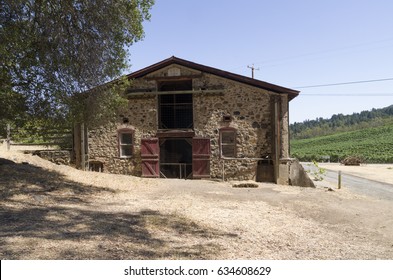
<point x="347" y="94"/>
<point x="267" y="62"/>
<point x="347" y="83"/>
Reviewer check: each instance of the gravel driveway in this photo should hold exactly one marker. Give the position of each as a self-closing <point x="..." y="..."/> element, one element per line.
<point x="56" y="212"/>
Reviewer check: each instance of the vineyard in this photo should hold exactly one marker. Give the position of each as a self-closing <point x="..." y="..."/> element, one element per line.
<point x="374" y="145"/>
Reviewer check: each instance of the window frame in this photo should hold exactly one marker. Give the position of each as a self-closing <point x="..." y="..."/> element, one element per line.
<point x="120" y="145"/>
<point x="234" y="144"/>
<point x="174" y="107"/>
<point x="94" y="164"/>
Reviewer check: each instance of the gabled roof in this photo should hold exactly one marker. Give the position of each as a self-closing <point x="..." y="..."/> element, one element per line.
<point x="207" y="69"/>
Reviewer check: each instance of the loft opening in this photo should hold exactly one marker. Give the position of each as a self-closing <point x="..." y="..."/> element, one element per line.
<point x="175" y="109"/>
<point x="177" y="85"/>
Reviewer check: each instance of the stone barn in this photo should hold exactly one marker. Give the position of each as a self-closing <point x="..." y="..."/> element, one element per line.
<point x="187" y="120"/>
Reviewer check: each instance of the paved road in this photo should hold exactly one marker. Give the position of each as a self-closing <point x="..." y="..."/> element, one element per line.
<point x="360" y="185"/>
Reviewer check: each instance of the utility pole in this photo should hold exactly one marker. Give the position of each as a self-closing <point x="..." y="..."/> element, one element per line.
<point x="252" y="69"/>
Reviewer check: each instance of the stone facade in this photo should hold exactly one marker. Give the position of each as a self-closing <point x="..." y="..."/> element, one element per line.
<point x="249" y="110"/>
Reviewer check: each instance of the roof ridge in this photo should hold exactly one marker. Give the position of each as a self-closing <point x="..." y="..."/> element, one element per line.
<point x="215" y="71"/>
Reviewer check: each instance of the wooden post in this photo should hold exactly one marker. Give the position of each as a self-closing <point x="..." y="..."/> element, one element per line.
<point x="77" y="145"/>
<point x="8" y="140"/>
<point x="276" y="140"/>
<point x="223" y="170"/>
<point x="83" y="150"/>
<point x="339" y="179"/>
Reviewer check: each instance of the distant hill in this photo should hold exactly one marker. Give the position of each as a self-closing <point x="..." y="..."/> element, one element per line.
<point x="375" y="145"/>
<point x="341" y="123"/>
<point x="368" y="134"/>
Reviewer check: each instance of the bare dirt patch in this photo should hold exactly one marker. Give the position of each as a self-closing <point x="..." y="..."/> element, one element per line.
<point x="49" y="211"/>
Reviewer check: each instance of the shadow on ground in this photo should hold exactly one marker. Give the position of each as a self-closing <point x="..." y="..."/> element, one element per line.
<point x="41" y="184"/>
<point x="45" y="216"/>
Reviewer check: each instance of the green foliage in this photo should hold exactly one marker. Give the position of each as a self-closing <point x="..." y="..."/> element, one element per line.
<point x="341" y="123"/>
<point x="375" y="145"/>
<point x="42" y="132"/>
<point x="104" y="103"/>
<point x="13" y="108"/>
<point x="53" y="51"/>
<point x="316" y="171"/>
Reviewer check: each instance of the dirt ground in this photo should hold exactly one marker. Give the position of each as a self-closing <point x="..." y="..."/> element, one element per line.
<point x="49" y="211"/>
<point x="377" y="172"/>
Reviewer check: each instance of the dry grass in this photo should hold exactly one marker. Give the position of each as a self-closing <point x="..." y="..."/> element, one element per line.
<point x="55" y="212"/>
<point x="46" y="216"/>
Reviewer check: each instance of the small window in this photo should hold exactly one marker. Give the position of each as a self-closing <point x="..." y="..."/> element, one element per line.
<point x="126" y="143"/>
<point x="96" y="166"/>
<point x="228" y="143"/>
<point x="226" y="118"/>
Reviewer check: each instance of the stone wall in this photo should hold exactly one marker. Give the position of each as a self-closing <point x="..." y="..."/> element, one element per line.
<point x="250" y="112"/>
<point x="62" y="157"/>
<point x="298" y="176"/>
<point x="249" y="108"/>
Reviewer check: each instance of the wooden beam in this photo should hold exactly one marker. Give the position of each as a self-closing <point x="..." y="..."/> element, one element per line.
<point x="175" y="134"/>
<point x="173" y="78"/>
<point x="207" y="91"/>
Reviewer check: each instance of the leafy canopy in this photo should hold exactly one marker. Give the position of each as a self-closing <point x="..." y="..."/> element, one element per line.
<point x="51" y="51"/>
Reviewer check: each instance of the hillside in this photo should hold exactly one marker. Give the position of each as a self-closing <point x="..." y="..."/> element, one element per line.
<point x="341" y="123"/>
<point x="374" y="144"/>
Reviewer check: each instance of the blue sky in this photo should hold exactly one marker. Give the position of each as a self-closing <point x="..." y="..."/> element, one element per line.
<point x="293" y="43"/>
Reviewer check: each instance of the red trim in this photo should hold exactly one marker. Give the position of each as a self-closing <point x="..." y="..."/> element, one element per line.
<point x="175" y="134"/>
<point x="150" y="155"/>
<point x="201" y="151"/>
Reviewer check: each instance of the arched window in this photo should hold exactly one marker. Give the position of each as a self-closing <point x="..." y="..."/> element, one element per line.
<point x="125" y="142"/>
<point x="228" y="142"/>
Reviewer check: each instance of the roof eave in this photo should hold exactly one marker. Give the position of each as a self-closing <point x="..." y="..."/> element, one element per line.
<point x="232" y="76"/>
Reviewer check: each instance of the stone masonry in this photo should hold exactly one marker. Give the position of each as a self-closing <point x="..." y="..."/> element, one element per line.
<point x="251" y="115"/>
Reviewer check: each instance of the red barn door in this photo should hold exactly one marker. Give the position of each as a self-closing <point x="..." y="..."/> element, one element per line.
<point x="201" y="157"/>
<point x="150" y="153"/>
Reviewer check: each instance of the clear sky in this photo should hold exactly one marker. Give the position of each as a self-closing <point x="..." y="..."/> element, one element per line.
<point x="293" y="43"/>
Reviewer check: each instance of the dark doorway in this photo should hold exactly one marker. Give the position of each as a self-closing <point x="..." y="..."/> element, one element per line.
<point x="175" y="85"/>
<point x="265" y="171"/>
<point x="176" y="157"/>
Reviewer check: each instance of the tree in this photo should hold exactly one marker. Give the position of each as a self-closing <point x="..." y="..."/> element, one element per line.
<point x="12" y="109"/>
<point x="53" y="51"/>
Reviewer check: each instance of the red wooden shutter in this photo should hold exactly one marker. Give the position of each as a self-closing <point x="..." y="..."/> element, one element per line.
<point x="201" y="157"/>
<point x="150" y="153"/>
